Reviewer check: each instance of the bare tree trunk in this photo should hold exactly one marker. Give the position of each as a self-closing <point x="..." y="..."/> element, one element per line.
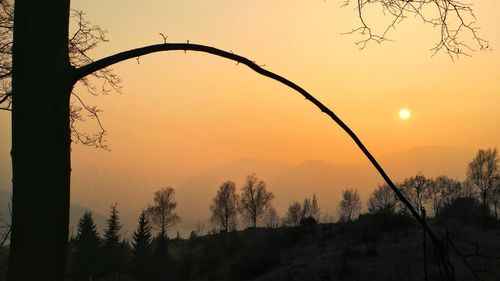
<point x="41" y="86"/>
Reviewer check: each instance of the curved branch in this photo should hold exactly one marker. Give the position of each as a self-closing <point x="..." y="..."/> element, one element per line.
<point x="108" y="61"/>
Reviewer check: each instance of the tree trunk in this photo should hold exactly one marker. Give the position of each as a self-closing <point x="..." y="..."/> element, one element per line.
<point x="42" y="82"/>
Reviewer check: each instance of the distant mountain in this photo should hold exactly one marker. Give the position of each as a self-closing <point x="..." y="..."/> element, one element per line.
<point x="326" y="180"/>
<point x="289" y="183"/>
<point x="76" y="212"/>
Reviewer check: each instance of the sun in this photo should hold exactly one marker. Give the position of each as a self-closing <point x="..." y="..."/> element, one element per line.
<point x="404" y="113"/>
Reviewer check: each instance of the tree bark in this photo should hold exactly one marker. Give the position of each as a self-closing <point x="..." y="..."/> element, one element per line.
<point x="41" y="85"/>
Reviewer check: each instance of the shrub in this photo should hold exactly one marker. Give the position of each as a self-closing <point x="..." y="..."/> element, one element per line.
<point x="466" y="210"/>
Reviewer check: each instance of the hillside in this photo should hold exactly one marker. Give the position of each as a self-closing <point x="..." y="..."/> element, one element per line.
<point x="356" y="251"/>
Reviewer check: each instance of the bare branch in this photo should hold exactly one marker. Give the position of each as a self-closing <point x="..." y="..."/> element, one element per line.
<point x="441" y="252"/>
<point x="98" y="139"/>
<point x="84" y="38"/>
<point x="458" y="34"/>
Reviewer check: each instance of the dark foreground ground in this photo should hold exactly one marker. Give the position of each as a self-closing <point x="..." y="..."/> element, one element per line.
<point x="355" y="251"/>
<point x="368" y="249"/>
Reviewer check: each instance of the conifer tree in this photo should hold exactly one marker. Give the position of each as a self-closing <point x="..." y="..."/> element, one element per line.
<point x="141" y="248"/>
<point x="86" y="246"/>
<point x="113" y="227"/>
<point x="113" y="255"/>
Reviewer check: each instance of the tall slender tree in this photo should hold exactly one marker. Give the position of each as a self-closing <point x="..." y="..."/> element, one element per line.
<point x="162" y="213"/>
<point x="254" y="200"/>
<point x="350" y="205"/>
<point x="141" y="248"/>
<point x="294" y="214"/>
<point x="114" y="254"/>
<point x="482" y="171"/>
<point x="224" y="207"/>
<point x="310" y="208"/>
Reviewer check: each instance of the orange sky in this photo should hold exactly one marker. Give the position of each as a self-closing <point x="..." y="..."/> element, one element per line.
<point x="193" y="111"/>
<point x="183" y="113"/>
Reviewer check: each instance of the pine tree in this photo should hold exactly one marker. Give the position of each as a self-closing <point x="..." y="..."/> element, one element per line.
<point x="141" y="248"/>
<point x="113" y="226"/>
<point x="86" y="246"/>
<point x="113" y="255"/>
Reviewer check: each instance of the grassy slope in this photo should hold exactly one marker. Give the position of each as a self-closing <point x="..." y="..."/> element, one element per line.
<point x="330" y="252"/>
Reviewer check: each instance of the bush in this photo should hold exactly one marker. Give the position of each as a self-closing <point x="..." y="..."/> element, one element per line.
<point x="466" y="210"/>
<point x="385" y="221"/>
<point x="308" y="222"/>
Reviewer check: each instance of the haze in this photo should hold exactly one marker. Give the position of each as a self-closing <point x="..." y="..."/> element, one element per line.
<point x="183" y="116"/>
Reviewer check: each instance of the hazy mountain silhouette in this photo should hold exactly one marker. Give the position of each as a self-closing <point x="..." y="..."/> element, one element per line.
<point x="76" y="212"/>
<point x="287" y="182"/>
<point x="326" y="180"/>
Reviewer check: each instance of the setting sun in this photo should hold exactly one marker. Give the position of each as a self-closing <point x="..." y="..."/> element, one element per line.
<point x="404" y="113"/>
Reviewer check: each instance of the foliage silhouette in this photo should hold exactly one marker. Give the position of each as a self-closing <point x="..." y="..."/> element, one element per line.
<point x="86" y="249"/>
<point x="141" y="248"/>
<point x="255" y="200"/>
<point x="162" y="213"/>
<point x="350" y="205"/>
<point x="225" y="207"/>
<point x="114" y="255"/>
<point x="483" y="172"/>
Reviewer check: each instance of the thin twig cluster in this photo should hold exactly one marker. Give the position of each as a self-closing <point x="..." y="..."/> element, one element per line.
<point x="85" y="38"/>
<point x="456" y="22"/>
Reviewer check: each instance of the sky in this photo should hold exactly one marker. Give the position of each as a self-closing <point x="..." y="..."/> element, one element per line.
<point x="181" y="114"/>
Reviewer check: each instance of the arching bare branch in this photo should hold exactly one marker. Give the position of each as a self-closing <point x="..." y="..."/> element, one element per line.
<point x="442" y="254"/>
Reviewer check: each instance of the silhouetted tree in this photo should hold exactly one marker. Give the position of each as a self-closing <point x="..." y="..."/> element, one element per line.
<point x="481" y="173"/>
<point x="271" y="219"/>
<point x="141" y="248"/>
<point x="86" y="247"/>
<point x="350" y="205"/>
<point x="310" y="208"/>
<point x="254" y="200"/>
<point x="225" y="207"/>
<point x="416" y="189"/>
<point x="382" y="200"/>
<point x="162" y="213"/>
<point x="315" y="211"/>
<point x="114" y="252"/>
<point x="443" y="191"/>
<point x="294" y="214"/>
<point x="495" y="196"/>
<point x="464" y="209"/>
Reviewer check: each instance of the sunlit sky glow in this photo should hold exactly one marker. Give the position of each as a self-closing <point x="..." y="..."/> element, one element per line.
<point x="404" y="113"/>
